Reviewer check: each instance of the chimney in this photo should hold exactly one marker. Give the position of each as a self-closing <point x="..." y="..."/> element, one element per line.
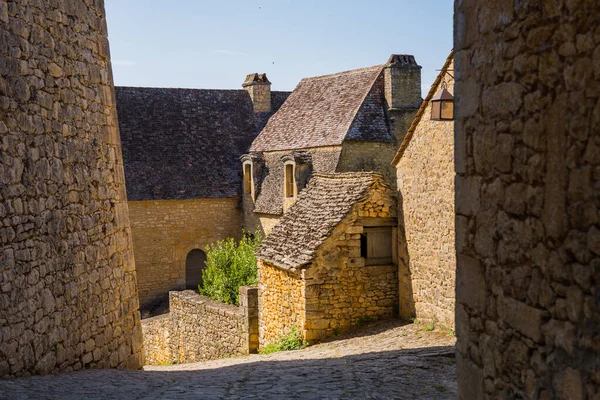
<point x="402" y="82"/>
<point x="259" y="88"/>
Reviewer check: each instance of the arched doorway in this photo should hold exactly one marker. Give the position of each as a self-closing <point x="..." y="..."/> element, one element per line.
<point x="194" y="265"/>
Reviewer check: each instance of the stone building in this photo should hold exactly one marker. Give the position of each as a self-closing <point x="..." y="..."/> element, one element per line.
<point x="181" y="149"/>
<point x="349" y="121"/>
<point x="527" y="151"/>
<point x="425" y="181"/>
<point x="68" y="297"/>
<point x="331" y="258"/>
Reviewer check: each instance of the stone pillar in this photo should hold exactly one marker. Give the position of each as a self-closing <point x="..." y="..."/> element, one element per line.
<point x="68" y="297"/>
<point x="527" y="159"/>
<point x="249" y="303"/>
<point x="259" y="88"/>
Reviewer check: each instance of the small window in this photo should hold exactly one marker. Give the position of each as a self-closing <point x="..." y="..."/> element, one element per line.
<point x="289" y="180"/>
<point x="247" y="179"/>
<point x="376" y="245"/>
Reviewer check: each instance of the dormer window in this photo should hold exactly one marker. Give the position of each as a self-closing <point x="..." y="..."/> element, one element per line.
<point x="290" y="188"/>
<point x="247" y="178"/>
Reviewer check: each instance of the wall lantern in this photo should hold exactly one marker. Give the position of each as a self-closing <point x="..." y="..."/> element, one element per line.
<point x="442" y="105"/>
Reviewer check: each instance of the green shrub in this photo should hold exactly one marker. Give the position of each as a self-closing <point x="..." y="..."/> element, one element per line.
<point x="230" y="265"/>
<point x="292" y="341"/>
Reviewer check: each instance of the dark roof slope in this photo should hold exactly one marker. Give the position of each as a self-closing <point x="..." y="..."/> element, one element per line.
<point x="419" y="114"/>
<point x="186" y="143"/>
<point x="321" y="111"/>
<point x="320" y="207"/>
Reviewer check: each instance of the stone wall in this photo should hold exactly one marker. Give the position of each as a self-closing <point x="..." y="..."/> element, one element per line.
<point x="198" y="328"/>
<point x="281" y="302"/>
<point x="157" y="341"/>
<point x="164" y="232"/>
<point x="361" y="156"/>
<point x="427" y="260"/>
<point x="68" y="295"/>
<point x="527" y="198"/>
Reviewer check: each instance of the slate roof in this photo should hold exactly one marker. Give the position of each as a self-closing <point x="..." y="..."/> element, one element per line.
<point x="419" y="114"/>
<point x="327" y="110"/>
<point x="186" y="143"/>
<point x="319" y="208"/>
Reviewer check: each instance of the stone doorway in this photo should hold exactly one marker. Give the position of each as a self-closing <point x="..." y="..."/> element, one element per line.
<point x="195" y="262"/>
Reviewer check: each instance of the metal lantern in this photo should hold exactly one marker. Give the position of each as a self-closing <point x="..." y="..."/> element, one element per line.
<point x="442" y="105"/>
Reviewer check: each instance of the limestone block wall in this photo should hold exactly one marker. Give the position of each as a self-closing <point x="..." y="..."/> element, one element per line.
<point x="427" y="260"/>
<point x="203" y="329"/>
<point x="164" y="232"/>
<point x="281" y="302"/>
<point x="68" y="296"/>
<point x="364" y="156"/>
<point x="527" y="199"/>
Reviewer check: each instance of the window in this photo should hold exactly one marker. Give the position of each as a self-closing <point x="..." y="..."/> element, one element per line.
<point x="376" y="245"/>
<point x="248" y="178"/>
<point x="289" y="180"/>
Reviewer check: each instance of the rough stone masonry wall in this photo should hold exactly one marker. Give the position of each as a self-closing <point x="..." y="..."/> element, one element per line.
<point x="527" y="198"/>
<point x="164" y="232"/>
<point x="426" y="252"/>
<point x="204" y="329"/>
<point x="281" y="302"/>
<point x="68" y="295"/>
<point x="357" y="156"/>
<point x="339" y="287"/>
<point x="157" y="340"/>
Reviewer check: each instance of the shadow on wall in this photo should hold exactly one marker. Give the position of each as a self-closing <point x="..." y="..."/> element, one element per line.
<point x="411" y="373"/>
<point x="405" y="289"/>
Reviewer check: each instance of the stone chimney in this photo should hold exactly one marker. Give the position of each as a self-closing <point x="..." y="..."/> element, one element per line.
<point x="259" y="88"/>
<point x="402" y="82"/>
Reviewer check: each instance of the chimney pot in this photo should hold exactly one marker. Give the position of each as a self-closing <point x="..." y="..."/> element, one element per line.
<point x="259" y="88"/>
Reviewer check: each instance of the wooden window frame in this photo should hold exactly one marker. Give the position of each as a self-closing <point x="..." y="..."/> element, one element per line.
<point x="289" y="181"/>
<point x="366" y="245"/>
<point x="247" y="178"/>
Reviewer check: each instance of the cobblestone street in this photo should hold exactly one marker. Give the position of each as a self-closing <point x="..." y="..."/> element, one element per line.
<point x="385" y="360"/>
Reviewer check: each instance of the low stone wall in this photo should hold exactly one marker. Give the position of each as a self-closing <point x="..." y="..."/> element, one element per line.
<point x="156" y="340"/>
<point x="200" y="329"/>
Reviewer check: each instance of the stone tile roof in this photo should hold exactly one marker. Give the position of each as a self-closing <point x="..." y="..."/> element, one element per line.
<point x="186" y="143"/>
<point x="419" y="114"/>
<point x="327" y="199"/>
<point x="326" y="110"/>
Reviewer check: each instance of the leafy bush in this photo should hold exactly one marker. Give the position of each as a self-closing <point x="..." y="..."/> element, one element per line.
<point x="292" y="341"/>
<point x="230" y="265"/>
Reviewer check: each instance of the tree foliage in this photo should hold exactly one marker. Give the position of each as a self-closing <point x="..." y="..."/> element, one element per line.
<point x="230" y="265"/>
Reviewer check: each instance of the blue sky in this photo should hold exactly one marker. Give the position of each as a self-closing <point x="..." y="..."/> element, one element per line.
<point x="214" y="44"/>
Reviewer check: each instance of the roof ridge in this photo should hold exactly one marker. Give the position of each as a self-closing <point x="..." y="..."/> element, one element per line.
<point x="347" y="175"/>
<point x="421" y="111"/>
<point x="191" y="89"/>
<point x="349" y="72"/>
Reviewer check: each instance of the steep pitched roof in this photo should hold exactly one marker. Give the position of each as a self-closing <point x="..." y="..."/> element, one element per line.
<point x="419" y="114"/>
<point x="327" y="199"/>
<point x="186" y="143"/>
<point x="322" y="110"/>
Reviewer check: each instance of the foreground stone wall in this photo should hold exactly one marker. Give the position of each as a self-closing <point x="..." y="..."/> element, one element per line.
<point x="68" y="295"/>
<point x="198" y="328"/>
<point x="527" y="198"/>
<point x="165" y="231"/>
<point x="427" y="260"/>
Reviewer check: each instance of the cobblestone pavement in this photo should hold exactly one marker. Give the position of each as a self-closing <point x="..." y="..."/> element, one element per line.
<point x="385" y="360"/>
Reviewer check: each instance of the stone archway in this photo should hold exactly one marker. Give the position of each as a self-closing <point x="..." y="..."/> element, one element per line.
<point x="195" y="261"/>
